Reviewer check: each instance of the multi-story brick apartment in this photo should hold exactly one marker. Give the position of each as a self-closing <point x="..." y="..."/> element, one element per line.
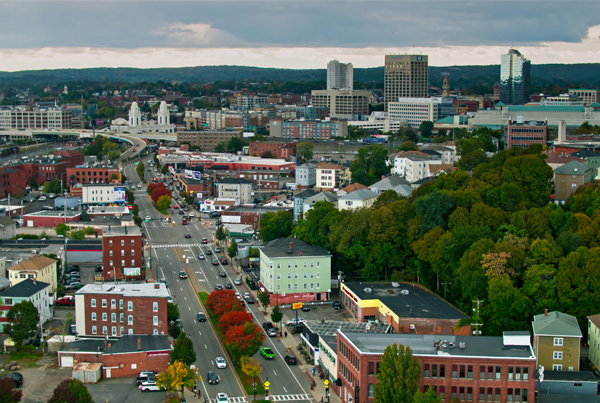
<point x="92" y="174"/>
<point x="519" y="133"/>
<point x="279" y="150"/>
<point x="308" y="129"/>
<point x="121" y="309"/>
<point x="39" y="268"/>
<point x="569" y="177"/>
<point x="122" y="253"/>
<point x="207" y="140"/>
<point x="472" y="369"/>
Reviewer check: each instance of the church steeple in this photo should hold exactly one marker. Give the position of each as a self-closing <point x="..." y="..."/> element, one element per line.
<point x="446" y="87"/>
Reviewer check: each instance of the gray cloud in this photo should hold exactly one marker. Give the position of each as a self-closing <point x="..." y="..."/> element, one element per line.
<point x="353" y="24"/>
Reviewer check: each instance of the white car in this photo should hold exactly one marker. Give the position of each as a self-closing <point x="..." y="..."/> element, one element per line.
<point x="221" y="363"/>
<point x="293" y="321"/>
<point x="43" y="198"/>
<point x="149" y="386"/>
<point x="147" y="218"/>
<point x="201" y="256"/>
<point x="222" y="398"/>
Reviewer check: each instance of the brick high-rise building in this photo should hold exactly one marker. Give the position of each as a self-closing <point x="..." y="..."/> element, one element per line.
<point x="405" y="76"/>
<point x="121" y="309"/>
<point x="122" y="253"/>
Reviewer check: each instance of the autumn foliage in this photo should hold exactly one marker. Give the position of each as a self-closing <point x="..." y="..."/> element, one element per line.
<point x="244" y="339"/>
<point x="233" y="318"/>
<point x="221" y="301"/>
<point x="158" y="192"/>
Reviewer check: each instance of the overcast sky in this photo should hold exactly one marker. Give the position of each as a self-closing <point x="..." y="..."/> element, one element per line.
<point x="291" y="34"/>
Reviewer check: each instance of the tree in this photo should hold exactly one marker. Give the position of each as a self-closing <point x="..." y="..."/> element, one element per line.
<point x="183" y="350"/>
<point x="508" y="308"/>
<point x="113" y="177"/>
<point x="236" y="144"/>
<point x="220" y="301"/>
<point x="232" y="249"/>
<point x="426" y="128"/>
<point x="408" y="146"/>
<point x="164" y="202"/>
<point x="140" y="168"/>
<point x="23" y="319"/>
<point x="428" y="397"/>
<point x="470" y="161"/>
<point x="54" y="186"/>
<point x="164" y="169"/>
<point x="244" y="339"/>
<point x="233" y="318"/>
<point x="71" y="391"/>
<point x="267" y="154"/>
<point x="275" y="225"/>
<point x="305" y="150"/>
<point x="276" y="314"/>
<point x="172" y="312"/>
<point x="251" y="367"/>
<point x="370" y="164"/>
<point x="159" y="192"/>
<point x="8" y="391"/>
<point x="434" y="209"/>
<point x="177" y="376"/>
<point x="32" y="182"/>
<point x="78" y="235"/>
<point x="399" y="376"/>
<point x="220" y="234"/>
<point x="220" y="148"/>
<point x="264" y="298"/>
<point x="89" y="231"/>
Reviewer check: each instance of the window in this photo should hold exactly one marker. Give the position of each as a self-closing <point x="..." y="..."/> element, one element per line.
<point x="558" y="341"/>
<point x="556" y="367"/>
<point x="122" y="262"/>
<point x="509" y="395"/>
<point x="110" y="253"/>
<point x="114" y="330"/>
<point x="525" y="374"/>
<point x="289" y="276"/>
<point x="155" y="307"/>
<point x="110" y="263"/>
<point x="510" y="373"/>
<point x="469" y="394"/>
<point x="121" y="331"/>
<point x="130" y="319"/>
<point x="120" y="304"/>
<point x="524" y="395"/>
<point x="93" y="303"/>
<point x="442" y="371"/>
<point x="130" y="331"/>
<point x="129" y="306"/>
<point x="121" y="319"/>
<point x="453" y="392"/>
<point x="122" y="252"/>
<point x="490" y="373"/>
<point x="295" y="286"/>
<point x="109" y="243"/>
<point x="155" y="331"/>
<point x="132" y="242"/>
<point x="498" y="373"/>
<point x="113" y="317"/>
<point x="104" y="316"/>
<point x="103" y="303"/>
<point x="434" y="370"/>
<point x="132" y="262"/>
<point x="318" y="286"/>
<point x="304" y="275"/>
<point x="425" y="370"/>
<point x="470" y="372"/>
<point x="93" y="315"/>
<point x="132" y="252"/>
<point x="278" y="276"/>
<point x="104" y="330"/>
<point x="113" y="304"/>
<point x="461" y="373"/>
<point x="557" y="355"/>
<point x="497" y="394"/>
<point x="461" y="393"/>
<point x="122" y="242"/>
<point x="371" y="392"/>
<point x="304" y="286"/>
<point x="155" y="320"/>
<point x="94" y="330"/>
<point x="454" y="371"/>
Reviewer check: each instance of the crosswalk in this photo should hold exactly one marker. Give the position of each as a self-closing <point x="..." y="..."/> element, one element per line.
<point x="182" y="245"/>
<point x="275" y="398"/>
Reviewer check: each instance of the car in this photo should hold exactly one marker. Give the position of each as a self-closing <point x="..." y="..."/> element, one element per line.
<point x="215" y="262"/>
<point x="188" y="236"/>
<point x="290" y="360"/>
<point x="222" y="260"/>
<point x="221" y="273"/>
<point x="145" y="377"/>
<point x="204" y="241"/>
<point x="295" y="321"/>
<point x="237" y="281"/>
<point x="169" y="299"/>
<point x="201" y="317"/>
<point x="73" y="282"/>
<point x="192" y="215"/>
<point x="220" y="362"/>
<point x="176" y="206"/>
<point x="271" y="332"/>
<point x="228" y="286"/>
<point x="267" y="353"/>
<point x="201" y="257"/>
<point x="218" y="287"/>
<point x="208" y="252"/>
<point x="267" y="325"/>
<point x="182" y="275"/>
<point x="249" y="300"/>
<point x="180" y="212"/>
<point x="72" y="276"/>
<point x="149" y="386"/>
<point x="71" y="287"/>
<point x="305" y="308"/>
<point x="147" y="372"/>
<point x="246" y="295"/>
<point x="184" y="222"/>
<point x="336" y="305"/>
<point x="179" y="324"/>
<point x="164" y="281"/>
<point x="147" y="218"/>
<point x="217" y="250"/>
<point x="212" y="378"/>
<point x="65" y="301"/>
<point x="17" y="377"/>
<point x="98" y="269"/>
<point x="222" y="398"/>
<point x="72" y="269"/>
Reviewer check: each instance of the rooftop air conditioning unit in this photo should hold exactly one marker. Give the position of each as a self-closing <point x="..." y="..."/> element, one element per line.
<point x="411" y="327"/>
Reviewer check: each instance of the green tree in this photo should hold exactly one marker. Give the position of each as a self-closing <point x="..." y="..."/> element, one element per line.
<point x="61" y="229"/>
<point x="71" y="391"/>
<point x="220" y="234"/>
<point x="23" y="319"/>
<point x="470" y="161"/>
<point x="428" y="397"/>
<point x="370" y="164"/>
<point x="275" y="226"/>
<point x="232" y="249"/>
<point x="32" y="182"/>
<point x="172" y="312"/>
<point x="163" y="202"/>
<point x="251" y="367"/>
<point x="426" y="128"/>
<point x="276" y="314"/>
<point x="78" y="235"/>
<point x="140" y="168"/>
<point x="433" y="209"/>
<point x="53" y="187"/>
<point x="399" y="376"/>
<point x="89" y="231"/>
<point x="221" y="147"/>
<point x="305" y="150"/>
<point x="164" y="169"/>
<point x="267" y="154"/>
<point x="236" y="144"/>
<point x="183" y="350"/>
<point x="508" y="308"/>
<point x="408" y="146"/>
<point x="264" y="298"/>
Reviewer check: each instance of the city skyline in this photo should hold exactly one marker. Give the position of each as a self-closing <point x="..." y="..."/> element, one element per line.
<point x="49" y="34"/>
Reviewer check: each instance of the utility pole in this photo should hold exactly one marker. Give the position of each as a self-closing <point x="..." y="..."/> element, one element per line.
<point x="445" y="283"/>
<point x="476" y="316"/>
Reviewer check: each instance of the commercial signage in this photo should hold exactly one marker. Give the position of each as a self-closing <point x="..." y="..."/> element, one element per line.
<point x="119" y="195"/>
<point x="157" y="353"/>
<point x="197" y="175"/>
<point x="188" y="173"/>
<point x="131" y="271"/>
<point x="297" y="305"/>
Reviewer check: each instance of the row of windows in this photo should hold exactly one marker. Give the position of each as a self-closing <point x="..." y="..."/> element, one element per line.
<point x="312" y="264"/>
<point x="289" y="286"/>
<point x="110" y="263"/>
<point x="113" y="318"/>
<point x="110" y="252"/>
<point x="289" y="276"/>
<point x="526" y="138"/>
<point x="489" y="372"/>
<point x="526" y="130"/>
<point x="114" y="330"/>
<point x="485" y="394"/>
<point x="113" y="304"/>
<point x="110" y="242"/>
<point x="349" y="355"/>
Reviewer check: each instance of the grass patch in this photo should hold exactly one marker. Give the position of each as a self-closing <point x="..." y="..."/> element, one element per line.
<point x="247" y="382"/>
<point x="163" y="212"/>
<point x="25" y="358"/>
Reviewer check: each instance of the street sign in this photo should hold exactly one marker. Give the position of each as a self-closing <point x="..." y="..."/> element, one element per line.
<point x="297" y="305"/>
<point x="326" y="382"/>
<point x="267" y="384"/>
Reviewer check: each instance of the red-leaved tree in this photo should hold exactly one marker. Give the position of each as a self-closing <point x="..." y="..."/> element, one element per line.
<point x="244" y="339"/>
<point x="153" y="186"/>
<point x="220" y="301"/>
<point x="233" y="318"/>
<point x="158" y="192"/>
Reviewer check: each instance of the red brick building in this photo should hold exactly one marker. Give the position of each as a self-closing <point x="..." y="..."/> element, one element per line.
<point x="72" y="156"/>
<point x="279" y="150"/>
<point x="122" y="253"/>
<point x="84" y="174"/>
<point x="124" y="309"/>
<point x="472" y="369"/>
<point x="523" y="134"/>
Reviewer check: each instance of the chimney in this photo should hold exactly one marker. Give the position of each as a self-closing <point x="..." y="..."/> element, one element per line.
<point x="33" y="279"/>
<point x="125" y="229"/>
<point x="291" y="245"/>
<point x="156" y="286"/>
<point x="545" y="312"/>
<point x="299" y="253"/>
<point x="139" y="344"/>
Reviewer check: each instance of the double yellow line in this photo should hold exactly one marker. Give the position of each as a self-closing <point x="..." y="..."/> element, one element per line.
<point x="179" y="253"/>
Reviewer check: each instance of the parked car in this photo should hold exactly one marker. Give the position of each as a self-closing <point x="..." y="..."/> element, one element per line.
<point x="290" y="360"/>
<point x="295" y="321"/>
<point x="145" y="377"/>
<point x="217" y="250"/>
<point x="182" y="274"/>
<point x="72" y="287"/>
<point x="147" y="372"/>
<point x="65" y="301"/>
<point x="98" y="269"/>
<point x="305" y="308"/>
<point x="267" y="325"/>
<point x="271" y="332"/>
<point x="212" y="378"/>
<point x="267" y="353"/>
<point x="336" y="305"/>
<point x="17" y="377"/>
<point x="237" y="281"/>
<point x="149" y="386"/>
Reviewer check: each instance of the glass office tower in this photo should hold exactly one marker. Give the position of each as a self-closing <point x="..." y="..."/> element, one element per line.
<point x="514" y="78"/>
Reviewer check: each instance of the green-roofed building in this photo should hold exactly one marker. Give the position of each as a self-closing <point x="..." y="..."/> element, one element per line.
<point x="556" y="341"/>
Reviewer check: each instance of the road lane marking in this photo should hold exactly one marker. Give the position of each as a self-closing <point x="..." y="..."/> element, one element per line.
<point x="275" y="372"/>
<point x="206" y="347"/>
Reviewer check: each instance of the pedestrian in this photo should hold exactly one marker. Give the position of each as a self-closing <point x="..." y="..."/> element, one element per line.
<point x="285" y="334"/>
<point x="314" y="370"/>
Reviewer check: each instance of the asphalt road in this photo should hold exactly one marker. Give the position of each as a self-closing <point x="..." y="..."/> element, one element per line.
<point x="171" y="252"/>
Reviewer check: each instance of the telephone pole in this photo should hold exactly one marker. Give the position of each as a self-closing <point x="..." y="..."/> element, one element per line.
<point x="476" y="316"/>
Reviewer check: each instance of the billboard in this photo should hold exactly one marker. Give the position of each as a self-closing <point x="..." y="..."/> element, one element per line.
<point x="131" y="271"/>
<point x="120" y="195"/>
<point x="188" y="173"/>
<point x="197" y="175"/>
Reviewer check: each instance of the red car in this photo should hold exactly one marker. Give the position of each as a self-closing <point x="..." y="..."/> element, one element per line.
<point x="188" y="236"/>
<point x="65" y="301"/>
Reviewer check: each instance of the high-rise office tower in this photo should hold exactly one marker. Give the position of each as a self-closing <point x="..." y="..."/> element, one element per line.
<point x="340" y="76"/>
<point x="405" y="76"/>
<point x="514" y="78"/>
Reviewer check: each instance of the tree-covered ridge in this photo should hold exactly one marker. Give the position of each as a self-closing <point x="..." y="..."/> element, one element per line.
<point x="493" y="235"/>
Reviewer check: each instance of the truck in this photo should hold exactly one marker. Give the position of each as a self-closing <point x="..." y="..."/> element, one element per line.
<point x="373" y="140"/>
<point x="291" y="186"/>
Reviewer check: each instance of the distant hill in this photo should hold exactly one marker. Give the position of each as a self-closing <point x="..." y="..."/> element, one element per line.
<point x="584" y="75"/>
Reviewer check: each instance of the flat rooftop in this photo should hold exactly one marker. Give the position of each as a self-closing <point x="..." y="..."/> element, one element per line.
<point x="52" y="213"/>
<point x="330" y="327"/>
<point x="418" y="303"/>
<point x="126" y="290"/>
<point x="129" y="230"/>
<point x="431" y="344"/>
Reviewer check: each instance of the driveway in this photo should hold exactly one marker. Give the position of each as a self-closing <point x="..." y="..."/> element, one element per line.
<point x="121" y="390"/>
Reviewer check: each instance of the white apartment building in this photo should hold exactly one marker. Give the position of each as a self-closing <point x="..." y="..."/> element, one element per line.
<point x="415" y="111"/>
<point x="413" y="165"/>
<point x="378" y="121"/>
<point x="340" y="76"/>
<point x="102" y="194"/>
<point x="330" y="176"/>
<point x="343" y="104"/>
<point x="35" y="118"/>
<point x="447" y="152"/>
<point x="238" y="189"/>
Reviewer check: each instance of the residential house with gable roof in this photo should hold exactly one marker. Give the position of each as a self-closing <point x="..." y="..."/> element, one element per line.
<point x="357" y="199"/>
<point x="37" y="292"/>
<point x="569" y="177"/>
<point x="556" y="341"/>
<point x="39" y="268"/>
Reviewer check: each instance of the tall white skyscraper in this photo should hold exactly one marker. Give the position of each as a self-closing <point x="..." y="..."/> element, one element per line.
<point x="340" y="76"/>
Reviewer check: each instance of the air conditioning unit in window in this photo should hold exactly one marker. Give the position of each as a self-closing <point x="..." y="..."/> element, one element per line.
<point x="283" y="294"/>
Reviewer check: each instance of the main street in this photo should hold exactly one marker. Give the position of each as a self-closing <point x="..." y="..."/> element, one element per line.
<point x="170" y="253"/>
